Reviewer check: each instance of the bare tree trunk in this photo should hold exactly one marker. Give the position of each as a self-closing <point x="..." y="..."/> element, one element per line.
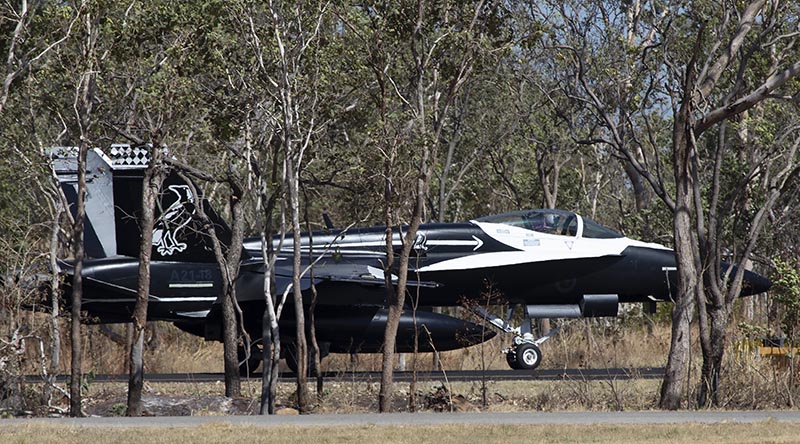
<point x="677" y="369"/>
<point x="397" y="296"/>
<point x="83" y="108"/>
<point x="151" y="186"/>
<point x="428" y="140"/>
<point x="393" y="316"/>
<point x="301" y="346"/>
<point x="548" y="177"/>
<point x="228" y="259"/>
<point x="312" y="328"/>
<point x="270" y="329"/>
<point x="271" y="338"/>
<point x="230" y="324"/>
<point x="77" y="288"/>
<point x="55" y="310"/>
<point x="713" y="345"/>
<point x="230" y="342"/>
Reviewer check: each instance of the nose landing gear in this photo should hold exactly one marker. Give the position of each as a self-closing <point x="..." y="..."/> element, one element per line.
<point x="525" y="353"/>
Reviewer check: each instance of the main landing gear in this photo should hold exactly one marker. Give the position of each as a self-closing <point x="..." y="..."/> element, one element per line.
<point x="524" y="354"/>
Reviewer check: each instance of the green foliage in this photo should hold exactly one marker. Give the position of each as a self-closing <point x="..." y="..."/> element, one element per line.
<point x="119" y="409"/>
<point x="191" y="70"/>
<point x="753" y="332"/>
<point x="786" y="290"/>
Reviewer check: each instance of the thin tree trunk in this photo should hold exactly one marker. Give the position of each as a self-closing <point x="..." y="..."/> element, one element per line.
<point x="270" y="331"/>
<point x="83" y="106"/>
<point x="55" y="310"/>
<point x="397" y="297"/>
<point x="230" y="324"/>
<point x="77" y="288"/>
<point x="271" y="338"/>
<point x="270" y="335"/>
<point x="151" y="186"/>
<point x="393" y="317"/>
<point x="301" y="346"/>
<point x="230" y="336"/>
<point x="228" y="259"/>
<point x="270" y="327"/>
<point x="313" y="306"/>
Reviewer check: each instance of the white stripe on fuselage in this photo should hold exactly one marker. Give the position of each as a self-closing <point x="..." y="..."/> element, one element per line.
<point x="505" y="258"/>
<point x="535" y="247"/>
<point x="194" y="314"/>
<point x="191" y="285"/>
<point x="151" y="298"/>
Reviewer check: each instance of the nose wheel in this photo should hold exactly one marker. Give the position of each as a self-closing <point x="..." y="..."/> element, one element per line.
<point x="525" y="356"/>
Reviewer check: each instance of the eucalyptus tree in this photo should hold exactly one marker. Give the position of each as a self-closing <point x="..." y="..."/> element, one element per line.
<point x="163" y="85"/>
<point x="34" y="30"/>
<point x="290" y="61"/>
<point x="420" y="56"/>
<point x="35" y="33"/>
<point x="657" y="94"/>
<point x="84" y="122"/>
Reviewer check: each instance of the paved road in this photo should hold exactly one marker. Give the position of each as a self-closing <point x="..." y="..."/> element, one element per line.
<point x="419" y="419"/>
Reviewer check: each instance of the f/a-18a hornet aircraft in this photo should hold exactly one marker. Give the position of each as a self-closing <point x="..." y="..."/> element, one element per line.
<point x="549" y="263"/>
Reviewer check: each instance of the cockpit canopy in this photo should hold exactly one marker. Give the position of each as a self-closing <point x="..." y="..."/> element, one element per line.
<point x="558" y="222"/>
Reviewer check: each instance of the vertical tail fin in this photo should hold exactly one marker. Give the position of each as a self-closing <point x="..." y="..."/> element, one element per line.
<point x="113" y="205"/>
<point x="99" y="235"/>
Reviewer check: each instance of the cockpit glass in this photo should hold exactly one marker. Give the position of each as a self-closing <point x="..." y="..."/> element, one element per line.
<point x="557" y="222"/>
<point x="593" y="230"/>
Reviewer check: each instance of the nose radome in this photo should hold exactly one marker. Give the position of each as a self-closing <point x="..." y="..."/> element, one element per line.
<point x="754" y="283"/>
<point x="472" y="334"/>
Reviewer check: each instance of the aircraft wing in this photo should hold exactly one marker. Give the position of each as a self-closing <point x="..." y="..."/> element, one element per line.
<point x="331" y="279"/>
<point x="362" y="274"/>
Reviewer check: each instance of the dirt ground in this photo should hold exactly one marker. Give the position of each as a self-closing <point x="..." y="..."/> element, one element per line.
<point x="340" y="396"/>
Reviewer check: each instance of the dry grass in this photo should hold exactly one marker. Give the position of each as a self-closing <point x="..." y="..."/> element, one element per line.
<point x="747" y="383"/>
<point x="580" y="343"/>
<point x="341" y="396"/>
<point x="222" y="432"/>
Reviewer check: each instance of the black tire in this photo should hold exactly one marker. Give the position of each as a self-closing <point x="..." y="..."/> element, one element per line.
<point x="528" y="356"/>
<point x="290" y="357"/>
<point x="248" y="367"/>
<point x="511" y="359"/>
<point x="291" y="360"/>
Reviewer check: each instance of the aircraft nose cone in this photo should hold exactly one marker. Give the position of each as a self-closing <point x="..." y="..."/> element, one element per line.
<point x="449" y="333"/>
<point x="754" y="283"/>
<point x="475" y="334"/>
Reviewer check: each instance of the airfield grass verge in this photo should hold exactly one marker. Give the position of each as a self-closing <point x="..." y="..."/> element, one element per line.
<point x="223" y="432"/>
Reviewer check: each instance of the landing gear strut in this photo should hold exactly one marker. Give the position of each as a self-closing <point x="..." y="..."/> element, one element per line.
<point x="524" y="354"/>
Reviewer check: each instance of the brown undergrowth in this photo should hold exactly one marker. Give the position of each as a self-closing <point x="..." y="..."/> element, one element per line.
<point x="748" y="382"/>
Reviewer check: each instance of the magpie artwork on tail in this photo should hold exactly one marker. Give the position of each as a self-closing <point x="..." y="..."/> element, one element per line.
<point x="168" y="229"/>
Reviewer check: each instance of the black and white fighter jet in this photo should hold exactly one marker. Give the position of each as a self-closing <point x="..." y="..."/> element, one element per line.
<point x="550" y="263"/>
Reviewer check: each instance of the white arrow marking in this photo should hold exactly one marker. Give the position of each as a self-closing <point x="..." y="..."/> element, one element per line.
<point x="476" y="242"/>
